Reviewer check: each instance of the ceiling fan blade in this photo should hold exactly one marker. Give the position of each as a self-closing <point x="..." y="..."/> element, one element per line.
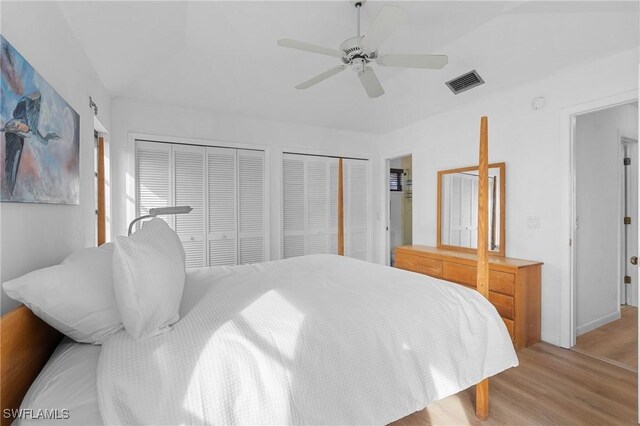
<point x="301" y="45"/>
<point x="370" y="83"/>
<point x="385" y="23"/>
<point x="320" y="77"/>
<point x="409" y="60"/>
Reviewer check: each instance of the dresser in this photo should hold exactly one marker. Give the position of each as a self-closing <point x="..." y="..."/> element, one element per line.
<point x="514" y="284"/>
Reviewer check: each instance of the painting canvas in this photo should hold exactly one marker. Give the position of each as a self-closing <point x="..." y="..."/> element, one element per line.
<point x="40" y="140"/>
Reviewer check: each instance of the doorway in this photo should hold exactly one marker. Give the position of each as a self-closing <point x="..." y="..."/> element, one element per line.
<point x="606" y="234"/>
<point x="400" y="227"/>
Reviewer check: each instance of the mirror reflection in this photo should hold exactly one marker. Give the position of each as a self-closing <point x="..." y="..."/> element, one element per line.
<point x="459" y="205"/>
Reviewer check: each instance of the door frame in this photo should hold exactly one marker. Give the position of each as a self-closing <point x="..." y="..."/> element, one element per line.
<point x="387" y="203"/>
<point x="568" y="293"/>
<point x="101" y="208"/>
<point x="622" y="141"/>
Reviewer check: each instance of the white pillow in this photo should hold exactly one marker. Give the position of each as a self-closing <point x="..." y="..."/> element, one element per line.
<point x="148" y="279"/>
<point x="75" y="297"/>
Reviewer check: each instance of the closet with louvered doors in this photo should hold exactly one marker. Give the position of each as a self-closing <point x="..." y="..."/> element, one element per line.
<point x="311" y="209"/>
<point x="224" y="186"/>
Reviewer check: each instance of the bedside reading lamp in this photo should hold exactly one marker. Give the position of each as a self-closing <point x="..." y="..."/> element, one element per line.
<point x="160" y="211"/>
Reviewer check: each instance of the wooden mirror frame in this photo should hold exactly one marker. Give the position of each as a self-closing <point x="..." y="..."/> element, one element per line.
<point x="501" y="167"/>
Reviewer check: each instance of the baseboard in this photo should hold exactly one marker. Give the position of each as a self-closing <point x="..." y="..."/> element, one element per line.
<point x="592" y="325"/>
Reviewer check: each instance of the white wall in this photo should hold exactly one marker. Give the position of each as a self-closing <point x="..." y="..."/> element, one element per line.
<point x="130" y="117"/>
<point x="39" y="235"/>
<point x="532" y="144"/>
<point x="598" y="154"/>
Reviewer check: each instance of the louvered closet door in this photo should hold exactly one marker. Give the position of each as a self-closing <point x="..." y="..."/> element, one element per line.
<point x="318" y="205"/>
<point x="294" y="206"/>
<point x="322" y="205"/>
<point x="251" y="221"/>
<point x="153" y="178"/>
<point x="356" y="201"/>
<point x="222" y="202"/>
<point x="189" y="190"/>
<point x="333" y="205"/>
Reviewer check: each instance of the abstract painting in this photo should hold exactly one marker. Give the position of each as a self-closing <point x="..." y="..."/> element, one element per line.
<point x="39" y="136"/>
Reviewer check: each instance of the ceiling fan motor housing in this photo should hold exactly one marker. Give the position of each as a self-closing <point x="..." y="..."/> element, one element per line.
<point x="355" y="53"/>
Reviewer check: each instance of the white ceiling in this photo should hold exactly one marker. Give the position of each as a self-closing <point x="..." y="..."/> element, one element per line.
<point x="222" y="56"/>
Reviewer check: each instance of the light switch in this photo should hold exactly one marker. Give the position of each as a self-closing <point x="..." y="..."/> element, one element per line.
<point x="533" y="222"/>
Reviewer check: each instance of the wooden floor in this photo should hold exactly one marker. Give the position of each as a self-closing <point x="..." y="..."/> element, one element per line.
<point x="616" y="341"/>
<point x="551" y="386"/>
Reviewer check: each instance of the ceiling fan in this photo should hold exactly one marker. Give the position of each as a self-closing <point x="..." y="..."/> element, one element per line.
<point x="361" y="51"/>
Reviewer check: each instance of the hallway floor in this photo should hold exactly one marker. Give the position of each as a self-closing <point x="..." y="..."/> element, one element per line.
<point x="616" y="342"/>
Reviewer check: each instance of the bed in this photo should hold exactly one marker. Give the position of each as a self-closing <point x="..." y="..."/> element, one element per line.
<point x="317" y="339"/>
<point x="302" y="331"/>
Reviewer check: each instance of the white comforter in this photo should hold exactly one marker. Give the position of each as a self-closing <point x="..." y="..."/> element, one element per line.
<point x="311" y="340"/>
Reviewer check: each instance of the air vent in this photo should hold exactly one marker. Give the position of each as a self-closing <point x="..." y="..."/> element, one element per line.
<point x="465" y="82"/>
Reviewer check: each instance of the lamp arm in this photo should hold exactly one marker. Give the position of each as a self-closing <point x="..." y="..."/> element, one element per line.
<point x="133" y="222"/>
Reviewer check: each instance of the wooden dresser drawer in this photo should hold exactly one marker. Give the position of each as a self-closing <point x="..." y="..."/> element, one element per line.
<point x="509" y="324"/>
<point x="502" y="282"/>
<point x="499" y="282"/>
<point x="458" y="273"/>
<point x="419" y="264"/>
<point x="504" y="304"/>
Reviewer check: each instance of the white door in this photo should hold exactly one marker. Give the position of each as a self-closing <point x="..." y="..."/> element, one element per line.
<point x="251" y="206"/>
<point x="318" y="205"/>
<point x="222" y="203"/>
<point x="189" y="190"/>
<point x="356" y="212"/>
<point x="321" y="180"/>
<point x="154" y="178"/>
<point x="294" y="206"/>
<point x="333" y="205"/>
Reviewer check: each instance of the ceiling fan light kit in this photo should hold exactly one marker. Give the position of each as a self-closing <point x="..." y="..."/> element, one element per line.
<point x="359" y="52"/>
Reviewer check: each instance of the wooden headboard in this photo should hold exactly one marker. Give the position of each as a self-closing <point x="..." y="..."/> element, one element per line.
<point x="26" y="343"/>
